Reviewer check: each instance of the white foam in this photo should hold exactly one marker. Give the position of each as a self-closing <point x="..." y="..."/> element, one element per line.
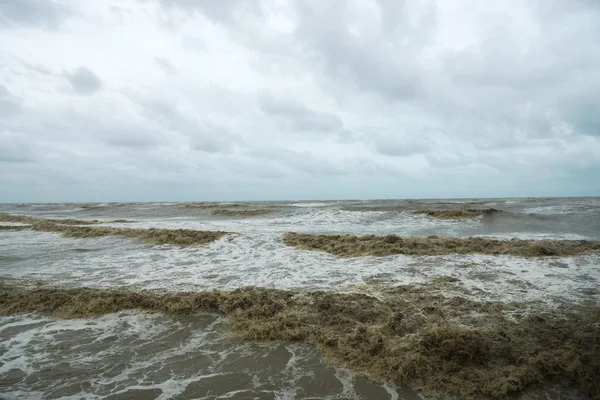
<point x="574" y="206"/>
<point x="537" y="236"/>
<point x="550" y="210"/>
<point x="262" y="259"/>
<point x="392" y="391"/>
<point x="257" y="256"/>
<point x="128" y="351"/>
<point x="310" y="205"/>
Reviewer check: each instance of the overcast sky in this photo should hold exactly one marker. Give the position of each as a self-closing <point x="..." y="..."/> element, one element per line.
<point x="224" y="100"/>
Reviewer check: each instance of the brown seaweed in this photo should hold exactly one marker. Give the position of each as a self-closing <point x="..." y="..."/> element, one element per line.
<point x="180" y="237"/>
<point x="373" y="245"/>
<point x="411" y="334"/>
<point x="456" y="214"/>
<point x="14" y="227"/>
<point x="240" y="213"/>
<point x="25" y="219"/>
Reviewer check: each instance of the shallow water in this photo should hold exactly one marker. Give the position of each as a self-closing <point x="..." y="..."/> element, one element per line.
<point x="131" y="354"/>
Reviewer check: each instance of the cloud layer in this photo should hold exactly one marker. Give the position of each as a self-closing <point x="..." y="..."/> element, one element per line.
<point x="274" y="99"/>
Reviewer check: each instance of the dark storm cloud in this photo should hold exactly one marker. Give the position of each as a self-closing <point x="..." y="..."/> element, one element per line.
<point x="41" y="13"/>
<point x="84" y="81"/>
<point x="9" y="103"/>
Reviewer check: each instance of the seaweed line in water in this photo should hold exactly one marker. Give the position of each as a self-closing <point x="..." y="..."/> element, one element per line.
<point x="409" y="334"/>
<point x="14" y="227"/>
<point x="25" y="219"/>
<point x="208" y="205"/>
<point x="240" y="213"/>
<point x="180" y="237"/>
<point x="373" y="245"/>
<point x="457" y="214"/>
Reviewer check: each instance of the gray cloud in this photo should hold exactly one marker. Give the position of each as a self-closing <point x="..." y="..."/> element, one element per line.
<point x="9" y="103"/>
<point x="400" y="145"/>
<point x="584" y="115"/>
<point x="14" y="148"/>
<point x="551" y="76"/>
<point x="195" y="43"/>
<point x="84" y="81"/>
<point x="75" y="130"/>
<point x="164" y="64"/>
<point x="212" y="139"/>
<point x="305" y="161"/>
<point x="41" y="13"/>
<point x="379" y="58"/>
<point x="450" y="160"/>
<point x="311" y="98"/>
<point x="296" y="116"/>
<point x="133" y="138"/>
<point x="203" y="136"/>
<point x="216" y="10"/>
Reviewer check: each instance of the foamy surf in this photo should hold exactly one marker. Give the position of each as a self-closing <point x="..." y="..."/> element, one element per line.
<point x="113" y="357"/>
<point x="159" y="357"/>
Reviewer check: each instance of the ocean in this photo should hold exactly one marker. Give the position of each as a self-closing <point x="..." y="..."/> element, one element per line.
<point x="50" y="350"/>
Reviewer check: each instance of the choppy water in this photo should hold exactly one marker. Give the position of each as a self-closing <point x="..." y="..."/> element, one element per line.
<point x="131" y="355"/>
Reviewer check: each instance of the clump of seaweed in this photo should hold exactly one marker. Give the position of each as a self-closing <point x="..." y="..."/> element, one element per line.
<point x="456" y="202"/>
<point x="240" y="213"/>
<point x="208" y="205"/>
<point x="88" y="205"/>
<point x="14" y="227"/>
<point x="200" y="206"/>
<point x="25" y="219"/>
<point x="457" y="214"/>
<point x="408" y="205"/>
<point x="373" y="245"/>
<point x="411" y="334"/>
<point x="32" y="220"/>
<point x="180" y="237"/>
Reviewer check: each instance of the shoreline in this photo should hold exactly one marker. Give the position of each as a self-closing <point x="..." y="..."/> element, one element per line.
<point x="410" y="334"/>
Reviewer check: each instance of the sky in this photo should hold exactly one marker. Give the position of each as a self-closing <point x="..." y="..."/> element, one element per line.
<point x="181" y="100"/>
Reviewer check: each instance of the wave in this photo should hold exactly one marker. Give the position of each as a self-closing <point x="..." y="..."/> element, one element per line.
<point x="311" y="205"/>
<point x="412" y="334"/>
<point x="180" y="237"/>
<point x="372" y="245"/>
<point x="457" y="214"/>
